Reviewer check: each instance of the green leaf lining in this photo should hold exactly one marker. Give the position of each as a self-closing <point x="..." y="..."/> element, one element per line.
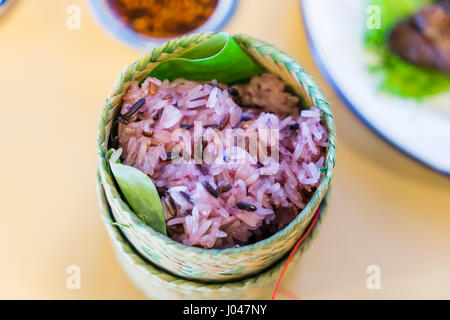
<point x="219" y="57"/>
<point x="140" y="193"/>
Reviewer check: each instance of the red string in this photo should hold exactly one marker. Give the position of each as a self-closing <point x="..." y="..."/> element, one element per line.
<point x="305" y="235"/>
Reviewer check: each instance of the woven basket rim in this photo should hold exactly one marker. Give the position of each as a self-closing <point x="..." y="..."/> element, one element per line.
<point x="306" y="213"/>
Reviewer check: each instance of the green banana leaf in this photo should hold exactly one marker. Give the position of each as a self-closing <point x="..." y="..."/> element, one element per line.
<point x="219" y="57"/>
<point x="140" y="193"/>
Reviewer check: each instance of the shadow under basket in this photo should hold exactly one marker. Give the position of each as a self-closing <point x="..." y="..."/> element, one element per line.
<point x="213" y="265"/>
<point x="156" y="283"/>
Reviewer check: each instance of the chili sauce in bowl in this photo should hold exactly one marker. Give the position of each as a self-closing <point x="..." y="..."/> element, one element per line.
<point x="144" y="24"/>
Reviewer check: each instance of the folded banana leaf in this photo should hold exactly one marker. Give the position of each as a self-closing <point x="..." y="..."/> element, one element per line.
<point x="219" y="57"/>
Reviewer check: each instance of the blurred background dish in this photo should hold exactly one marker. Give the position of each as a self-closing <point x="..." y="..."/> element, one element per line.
<point x="3" y="5"/>
<point x="409" y="41"/>
<point x="142" y="25"/>
<point x="418" y="127"/>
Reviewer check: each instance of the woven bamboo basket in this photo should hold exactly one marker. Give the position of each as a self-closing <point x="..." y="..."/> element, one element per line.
<point x="155" y="283"/>
<point x="212" y="264"/>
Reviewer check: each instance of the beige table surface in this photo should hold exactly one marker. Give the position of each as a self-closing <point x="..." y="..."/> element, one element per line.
<point x="385" y="209"/>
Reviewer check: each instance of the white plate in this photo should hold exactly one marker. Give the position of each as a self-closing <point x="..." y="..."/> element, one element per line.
<point x="108" y="19"/>
<point x="335" y="30"/>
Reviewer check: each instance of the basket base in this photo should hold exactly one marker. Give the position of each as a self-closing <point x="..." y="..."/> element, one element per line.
<point x="155" y="283"/>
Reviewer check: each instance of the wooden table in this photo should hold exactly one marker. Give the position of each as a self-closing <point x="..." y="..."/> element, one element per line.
<point x="384" y="210"/>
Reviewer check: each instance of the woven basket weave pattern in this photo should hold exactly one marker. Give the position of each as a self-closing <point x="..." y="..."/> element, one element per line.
<point x="157" y="284"/>
<point x="196" y="263"/>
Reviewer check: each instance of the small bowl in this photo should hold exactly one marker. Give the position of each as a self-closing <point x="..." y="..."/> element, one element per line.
<point x="213" y="265"/>
<point x="4" y="4"/>
<point x="155" y="283"/>
<point x="110" y="21"/>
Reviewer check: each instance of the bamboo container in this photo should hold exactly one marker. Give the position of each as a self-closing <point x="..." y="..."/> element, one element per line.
<point x="213" y="265"/>
<point x="156" y="283"/>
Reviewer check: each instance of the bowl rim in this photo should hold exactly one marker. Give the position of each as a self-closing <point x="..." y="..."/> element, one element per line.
<point x="305" y="215"/>
<point x="110" y="22"/>
<point x="4" y="4"/>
